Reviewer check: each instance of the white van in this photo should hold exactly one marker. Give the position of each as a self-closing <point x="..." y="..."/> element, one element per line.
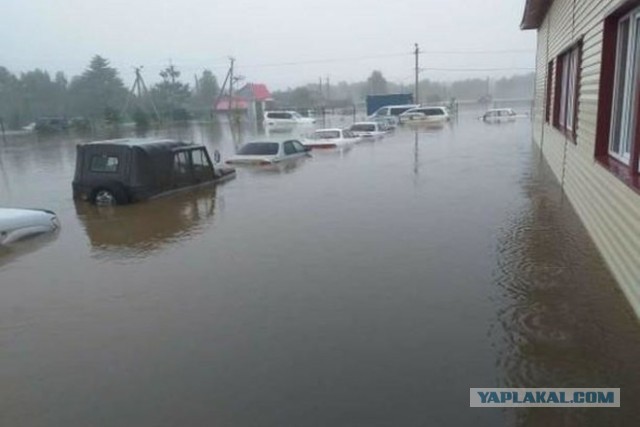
<point x="390" y="113"/>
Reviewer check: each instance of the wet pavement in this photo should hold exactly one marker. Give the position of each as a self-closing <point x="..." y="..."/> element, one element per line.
<point x="369" y="287"/>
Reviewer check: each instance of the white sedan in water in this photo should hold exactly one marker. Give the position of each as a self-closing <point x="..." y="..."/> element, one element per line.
<point x="368" y="130"/>
<point x="269" y="153"/>
<point x="331" y="138"/>
<point x="425" y="116"/>
<point x="17" y="224"/>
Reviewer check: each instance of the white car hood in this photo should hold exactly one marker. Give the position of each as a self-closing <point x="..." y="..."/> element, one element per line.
<point x="16" y="224"/>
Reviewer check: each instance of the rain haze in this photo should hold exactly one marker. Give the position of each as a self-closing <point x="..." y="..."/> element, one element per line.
<point x="284" y="42"/>
<point x="279" y="213"/>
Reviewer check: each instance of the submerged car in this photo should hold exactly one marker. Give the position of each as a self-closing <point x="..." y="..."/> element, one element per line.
<point x="331" y="138"/>
<point x="122" y="171"/>
<point x="368" y="130"/>
<point x="18" y="224"/>
<point x="268" y="153"/>
<point x="275" y="120"/>
<point x="391" y="113"/>
<point x="425" y="115"/>
<point x="499" y="115"/>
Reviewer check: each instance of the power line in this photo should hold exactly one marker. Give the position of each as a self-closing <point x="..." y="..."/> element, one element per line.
<point x="481" y="69"/>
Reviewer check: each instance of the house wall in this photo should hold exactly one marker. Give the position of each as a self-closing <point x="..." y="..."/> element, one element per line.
<point x="609" y="209"/>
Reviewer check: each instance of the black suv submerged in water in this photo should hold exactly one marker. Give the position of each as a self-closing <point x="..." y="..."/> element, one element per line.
<point x="122" y="171"/>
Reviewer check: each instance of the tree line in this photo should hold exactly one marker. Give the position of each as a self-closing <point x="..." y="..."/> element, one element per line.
<point x="431" y="92"/>
<point x="99" y="94"/>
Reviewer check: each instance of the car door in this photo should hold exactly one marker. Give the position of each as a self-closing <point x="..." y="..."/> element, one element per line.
<point x="201" y="166"/>
<point x="182" y="176"/>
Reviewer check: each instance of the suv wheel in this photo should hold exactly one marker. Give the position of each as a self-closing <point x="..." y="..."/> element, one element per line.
<point x="109" y="196"/>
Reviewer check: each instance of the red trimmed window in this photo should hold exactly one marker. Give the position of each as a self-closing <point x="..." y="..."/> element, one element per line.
<point x="618" y="134"/>
<point x="566" y="91"/>
<point x="549" y="94"/>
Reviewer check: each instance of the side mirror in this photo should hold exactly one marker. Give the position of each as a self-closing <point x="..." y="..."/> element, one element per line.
<point x="307" y="149"/>
<point x="216" y="156"/>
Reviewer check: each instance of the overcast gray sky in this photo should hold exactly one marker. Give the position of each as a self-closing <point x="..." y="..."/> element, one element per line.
<point x="265" y="35"/>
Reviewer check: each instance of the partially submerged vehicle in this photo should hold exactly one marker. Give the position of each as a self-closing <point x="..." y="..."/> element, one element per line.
<point x="285" y="120"/>
<point x="368" y="130"/>
<point x="425" y="115"/>
<point x="18" y="224"/>
<point x="269" y="152"/>
<point x="391" y="113"/>
<point x="122" y="171"/>
<point x="331" y="138"/>
<point x="499" y="115"/>
<point x="51" y="124"/>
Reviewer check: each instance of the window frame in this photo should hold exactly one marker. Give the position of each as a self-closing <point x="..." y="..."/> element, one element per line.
<point x="107" y="156"/>
<point x="549" y="94"/>
<point x="628" y="172"/>
<point x="567" y="76"/>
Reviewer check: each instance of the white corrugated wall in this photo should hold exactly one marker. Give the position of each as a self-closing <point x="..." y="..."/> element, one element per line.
<point x="609" y="209"/>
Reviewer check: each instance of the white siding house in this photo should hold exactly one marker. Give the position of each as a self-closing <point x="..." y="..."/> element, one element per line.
<point x="587" y="119"/>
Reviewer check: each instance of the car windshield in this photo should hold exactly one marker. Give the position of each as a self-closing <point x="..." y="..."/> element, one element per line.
<point x="363" y="128"/>
<point x="326" y="134"/>
<point x="259" y="149"/>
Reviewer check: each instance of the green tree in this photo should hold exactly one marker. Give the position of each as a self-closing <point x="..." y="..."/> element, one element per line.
<point x="171" y="95"/>
<point x="377" y="84"/>
<point x="9" y="95"/>
<point x="98" y="92"/>
<point x="205" y="92"/>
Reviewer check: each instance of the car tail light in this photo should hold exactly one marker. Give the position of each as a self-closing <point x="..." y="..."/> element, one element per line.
<point x="264" y="162"/>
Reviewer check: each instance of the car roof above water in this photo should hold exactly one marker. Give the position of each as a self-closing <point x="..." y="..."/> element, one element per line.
<point x="148" y="145"/>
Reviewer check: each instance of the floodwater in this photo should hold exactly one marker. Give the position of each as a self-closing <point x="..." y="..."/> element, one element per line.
<point x="372" y="287"/>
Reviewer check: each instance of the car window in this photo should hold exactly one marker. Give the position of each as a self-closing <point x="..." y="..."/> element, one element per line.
<point x="299" y="147"/>
<point x="181" y="163"/>
<point x="398" y="110"/>
<point x="259" y="149"/>
<point x="432" y="111"/>
<point x="327" y="134"/>
<point x="199" y="159"/>
<point x="363" y="128"/>
<point x="289" y="148"/>
<point x="104" y="163"/>
<point x="278" y="115"/>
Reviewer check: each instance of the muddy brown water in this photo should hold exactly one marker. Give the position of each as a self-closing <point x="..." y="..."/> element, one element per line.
<point x="372" y="287"/>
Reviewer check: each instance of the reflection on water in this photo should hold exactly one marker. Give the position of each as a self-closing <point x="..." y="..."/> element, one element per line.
<point x="562" y="322"/>
<point x="10" y="253"/>
<point x="371" y="287"/>
<point x="138" y="230"/>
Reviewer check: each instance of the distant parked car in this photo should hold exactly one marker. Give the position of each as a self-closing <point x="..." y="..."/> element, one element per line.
<point x="331" y="138"/>
<point x="425" y="115"/>
<point x="268" y="153"/>
<point x="18" y="224"/>
<point x="275" y="120"/>
<point x="368" y="130"/>
<point x="390" y="113"/>
<point x="499" y="115"/>
<point x="51" y="124"/>
<point x="121" y="171"/>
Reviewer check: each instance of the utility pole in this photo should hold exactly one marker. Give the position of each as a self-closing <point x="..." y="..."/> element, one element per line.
<point x="233" y="60"/>
<point x="139" y="88"/>
<point x="328" y="89"/>
<point x="320" y="86"/>
<point x="416" y="52"/>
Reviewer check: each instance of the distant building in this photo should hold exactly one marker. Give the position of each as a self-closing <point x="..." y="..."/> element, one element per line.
<point x="587" y="119"/>
<point x="252" y="99"/>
